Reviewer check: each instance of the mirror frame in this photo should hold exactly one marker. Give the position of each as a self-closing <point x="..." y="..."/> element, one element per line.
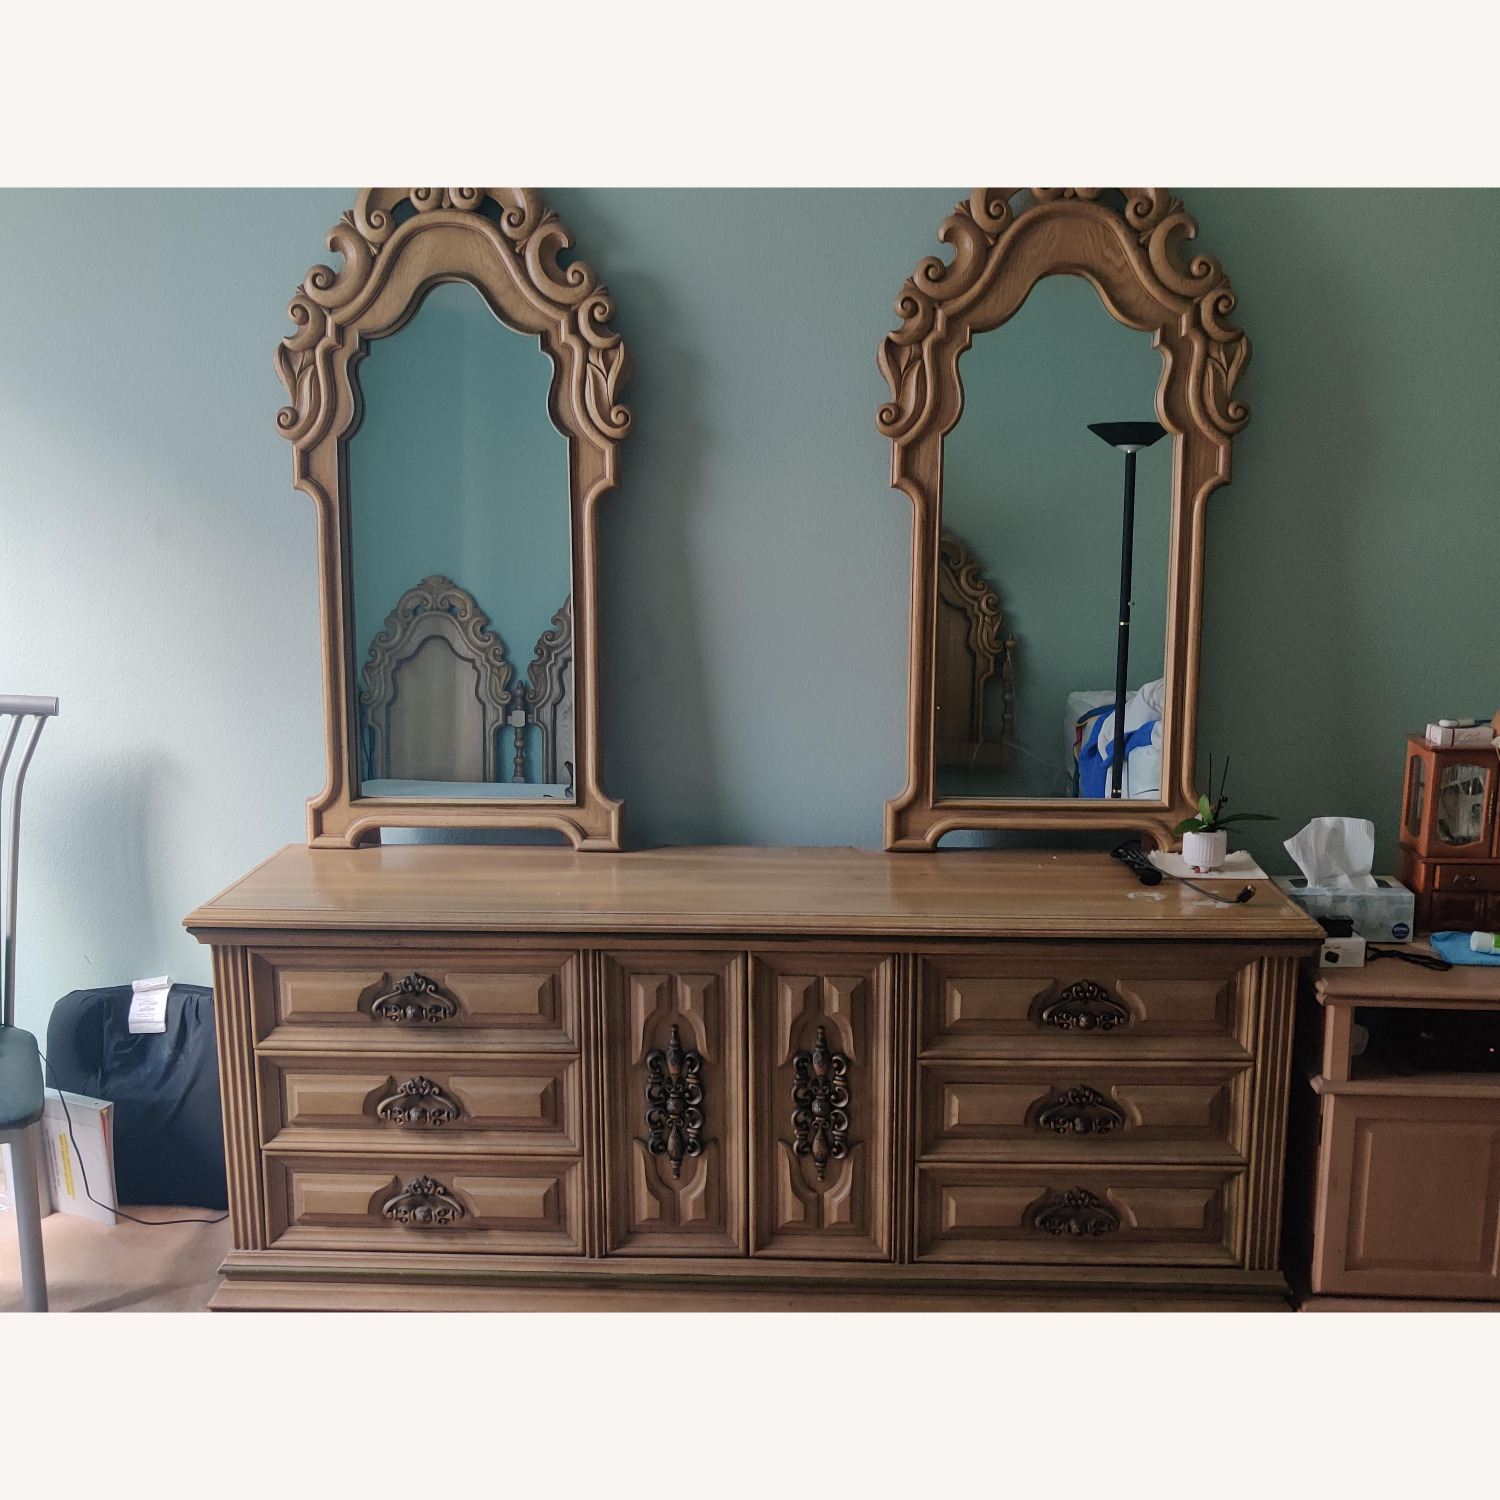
<point x="505" y="242"/>
<point x="1131" y="249"/>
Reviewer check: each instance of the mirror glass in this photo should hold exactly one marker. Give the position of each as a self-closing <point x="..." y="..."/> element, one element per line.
<point x="461" y="558"/>
<point x="1030" y="575"/>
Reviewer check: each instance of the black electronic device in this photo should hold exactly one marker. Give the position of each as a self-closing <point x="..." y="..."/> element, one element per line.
<point x="1134" y="859"/>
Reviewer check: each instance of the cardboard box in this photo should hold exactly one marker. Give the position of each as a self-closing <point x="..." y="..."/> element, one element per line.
<point x="43" y="1175"/>
<point x="83" y="1155"/>
<point x="1385" y="915"/>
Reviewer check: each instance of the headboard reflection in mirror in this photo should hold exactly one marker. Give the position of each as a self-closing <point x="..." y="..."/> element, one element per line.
<point x="1061" y="312"/>
<point x="455" y="417"/>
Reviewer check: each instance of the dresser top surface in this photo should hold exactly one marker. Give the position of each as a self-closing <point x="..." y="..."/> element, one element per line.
<point x="959" y="893"/>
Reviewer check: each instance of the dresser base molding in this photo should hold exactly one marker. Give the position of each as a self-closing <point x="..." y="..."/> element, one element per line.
<point x="273" y="1281"/>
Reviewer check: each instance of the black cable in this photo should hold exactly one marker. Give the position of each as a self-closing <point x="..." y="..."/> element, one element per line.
<point x="1422" y="960"/>
<point x="62" y="1094"/>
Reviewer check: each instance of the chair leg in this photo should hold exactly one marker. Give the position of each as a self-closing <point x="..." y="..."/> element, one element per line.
<point x="27" y="1205"/>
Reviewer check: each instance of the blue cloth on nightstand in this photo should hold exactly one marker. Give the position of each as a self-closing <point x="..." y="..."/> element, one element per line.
<point x="1454" y="946"/>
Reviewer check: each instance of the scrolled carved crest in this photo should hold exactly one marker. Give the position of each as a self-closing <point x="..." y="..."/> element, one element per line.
<point x="1153" y="225"/>
<point x="414" y="1000"/>
<point x="526" y="235"/>
<point x="962" y="584"/>
<point x="423" y="1203"/>
<point x="1080" y="1111"/>
<point x="1076" y="1212"/>
<point x="551" y="695"/>
<point x="1085" y="1006"/>
<point x="435" y="606"/>
<point x="419" y="1102"/>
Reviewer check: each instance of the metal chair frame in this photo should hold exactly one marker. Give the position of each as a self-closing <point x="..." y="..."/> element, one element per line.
<point x="25" y="1187"/>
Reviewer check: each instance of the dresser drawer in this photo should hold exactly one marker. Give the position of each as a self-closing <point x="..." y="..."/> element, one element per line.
<point x="1104" y="1000"/>
<point x="318" y="1101"/>
<point x="1471" y="877"/>
<point x="1052" y="1214"/>
<point x="1067" y="1110"/>
<point x="370" y="999"/>
<point x="418" y="1201"/>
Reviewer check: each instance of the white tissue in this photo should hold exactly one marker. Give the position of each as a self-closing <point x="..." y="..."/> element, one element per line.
<point x="1335" y="854"/>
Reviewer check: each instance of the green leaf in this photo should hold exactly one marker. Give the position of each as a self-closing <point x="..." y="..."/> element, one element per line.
<point x="1205" y="808"/>
<point x="1189" y="825"/>
<point x="1249" y="817"/>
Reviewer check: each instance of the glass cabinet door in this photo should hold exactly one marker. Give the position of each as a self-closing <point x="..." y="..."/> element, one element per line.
<point x="1463" y="796"/>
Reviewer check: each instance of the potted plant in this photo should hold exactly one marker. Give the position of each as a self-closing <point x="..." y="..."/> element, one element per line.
<point x="1205" y="839"/>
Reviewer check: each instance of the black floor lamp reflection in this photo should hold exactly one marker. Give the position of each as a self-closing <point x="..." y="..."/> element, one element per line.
<point x="1129" y="438"/>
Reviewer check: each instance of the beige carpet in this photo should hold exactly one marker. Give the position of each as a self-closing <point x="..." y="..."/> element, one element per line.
<point x="121" y="1268"/>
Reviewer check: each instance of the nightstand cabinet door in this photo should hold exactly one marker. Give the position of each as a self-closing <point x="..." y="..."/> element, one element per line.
<point x="1410" y="1200"/>
<point x="821" y="1106"/>
<point x="675" y="1038"/>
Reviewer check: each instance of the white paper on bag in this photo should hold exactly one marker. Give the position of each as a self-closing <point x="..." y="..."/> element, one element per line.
<point x="148" y="1004"/>
<point x="1335" y="854"/>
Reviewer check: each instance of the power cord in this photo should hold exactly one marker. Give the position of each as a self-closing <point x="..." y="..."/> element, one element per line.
<point x="62" y="1094"/>
<point x="1422" y="960"/>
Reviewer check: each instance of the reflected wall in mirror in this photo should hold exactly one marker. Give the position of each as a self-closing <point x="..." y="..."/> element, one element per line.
<point x="461" y="553"/>
<point x="455" y="415"/>
<point x="1035" y="498"/>
<point x="1059" y="309"/>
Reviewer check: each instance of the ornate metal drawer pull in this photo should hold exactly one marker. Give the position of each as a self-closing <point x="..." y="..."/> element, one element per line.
<point x="1077" y="1212"/>
<point x="674" y="1101"/>
<point x="1085" y="1006"/>
<point x="419" y="1101"/>
<point x="413" y="1001"/>
<point x="820" y="1121"/>
<point x="424" y="1204"/>
<point x="1081" y="1111"/>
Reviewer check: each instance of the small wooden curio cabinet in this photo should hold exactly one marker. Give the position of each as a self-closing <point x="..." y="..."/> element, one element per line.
<point x="1450" y="835"/>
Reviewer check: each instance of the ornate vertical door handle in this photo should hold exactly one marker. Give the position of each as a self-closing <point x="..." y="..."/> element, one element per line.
<point x="820" y="1096"/>
<point x="674" y="1101"/>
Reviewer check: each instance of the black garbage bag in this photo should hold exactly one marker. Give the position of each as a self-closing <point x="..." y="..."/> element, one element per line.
<point x="169" y="1133"/>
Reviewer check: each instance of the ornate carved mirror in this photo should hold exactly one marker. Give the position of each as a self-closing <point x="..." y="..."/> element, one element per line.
<point x="1049" y="590"/>
<point x="455" y="417"/>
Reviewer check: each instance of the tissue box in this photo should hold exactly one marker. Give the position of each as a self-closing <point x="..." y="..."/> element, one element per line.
<point x="1386" y="915"/>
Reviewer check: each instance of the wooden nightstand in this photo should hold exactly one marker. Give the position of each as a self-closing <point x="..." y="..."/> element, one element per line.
<point x="1400" y="1170"/>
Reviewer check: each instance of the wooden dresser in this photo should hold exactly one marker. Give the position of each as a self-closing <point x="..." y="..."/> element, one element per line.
<point x="460" y="1076"/>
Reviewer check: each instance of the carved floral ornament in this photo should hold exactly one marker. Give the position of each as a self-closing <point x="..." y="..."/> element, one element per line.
<point x="568" y="305"/>
<point x="1150" y="226"/>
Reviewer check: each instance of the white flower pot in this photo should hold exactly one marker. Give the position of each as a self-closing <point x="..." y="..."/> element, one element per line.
<point x="1205" y="851"/>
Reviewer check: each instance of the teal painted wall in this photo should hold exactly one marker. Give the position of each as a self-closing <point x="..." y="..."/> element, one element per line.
<point x="1037" y="498"/>
<point x="158" y="572"/>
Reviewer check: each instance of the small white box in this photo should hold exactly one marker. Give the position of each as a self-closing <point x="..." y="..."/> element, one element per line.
<point x="1384" y="915"/>
<point x="43" y="1175"/>
<point x="1459" y="735"/>
<point x="85" y="1152"/>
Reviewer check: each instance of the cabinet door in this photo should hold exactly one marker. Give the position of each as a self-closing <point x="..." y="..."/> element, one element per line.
<point x="1409" y="1197"/>
<point x="821" y="1106"/>
<point x="675" y="1039"/>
